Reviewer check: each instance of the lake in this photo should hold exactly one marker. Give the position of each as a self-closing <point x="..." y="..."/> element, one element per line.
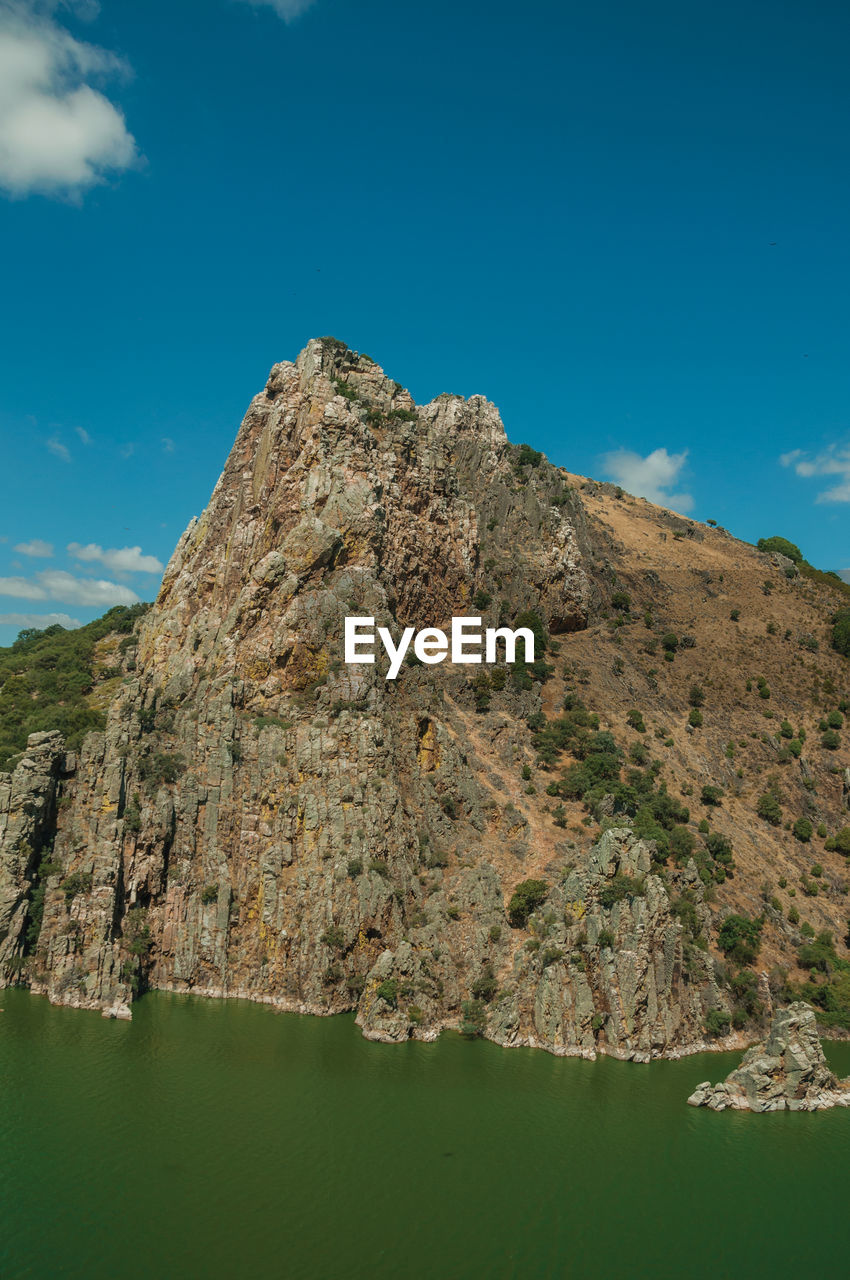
<point x="219" y="1139"/>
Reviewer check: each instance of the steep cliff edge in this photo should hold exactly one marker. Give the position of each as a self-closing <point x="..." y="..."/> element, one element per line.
<point x="260" y="819"/>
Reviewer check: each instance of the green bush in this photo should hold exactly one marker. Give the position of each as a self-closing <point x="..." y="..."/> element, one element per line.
<point x="695" y="718"/>
<point x="769" y="808"/>
<point x="711" y="795"/>
<point x="781" y="546"/>
<point x="621" y="886"/>
<point x="831" y="740"/>
<point x="696" y="695"/>
<point x="474" y="1021"/>
<point x="635" y="721"/>
<point x="526" y="897"/>
<point x="388" y="991"/>
<point x="485" y="985"/>
<point x="840" y="842"/>
<point x="209" y="894"/>
<point x="841" y="632"/>
<point x="739" y="938"/>
<point x="621" y="600"/>
<point x="802" y="830"/>
<point x="717" y="1022"/>
<point x="606" y="939"/>
<point x="77" y="882"/>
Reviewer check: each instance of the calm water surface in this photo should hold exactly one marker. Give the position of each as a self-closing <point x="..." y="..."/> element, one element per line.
<point x="218" y="1139"/>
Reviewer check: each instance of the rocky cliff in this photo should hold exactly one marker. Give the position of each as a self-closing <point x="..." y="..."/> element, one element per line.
<point x="259" y="819"/>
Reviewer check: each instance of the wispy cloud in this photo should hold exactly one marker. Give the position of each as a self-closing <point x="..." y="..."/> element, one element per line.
<point x="127" y="450"/>
<point x="652" y="477"/>
<point x="58" y="134"/>
<point x="57" y="584"/>
<point x="35" y="547"/>
<point x="168" y="445"/>
<point x="38" y="620"/>
<point x="832" y="461"/>
<point x="22" y="589"/>
<point x="83" y="434"/>
<point x="58" y="449"/>
<point x="118" y="559"/>
<point x="286" y="9"/>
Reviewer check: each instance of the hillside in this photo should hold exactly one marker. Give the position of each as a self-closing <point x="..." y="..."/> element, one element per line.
<point x="633" y="845"/>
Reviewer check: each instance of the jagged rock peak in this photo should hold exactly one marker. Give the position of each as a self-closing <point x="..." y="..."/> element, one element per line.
<point x="787" y="1071"/>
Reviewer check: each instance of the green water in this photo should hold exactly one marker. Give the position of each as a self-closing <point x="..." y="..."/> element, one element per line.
<point x="217" y="1139"/>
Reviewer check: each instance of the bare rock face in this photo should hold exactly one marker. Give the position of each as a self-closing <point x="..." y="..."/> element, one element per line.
<point x="787" y="1071"/>
<point x="259" y="819"/>
<point x="27" y="820"/>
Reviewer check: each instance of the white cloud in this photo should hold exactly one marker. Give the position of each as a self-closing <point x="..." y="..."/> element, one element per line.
<point x="83" y="434"/>
<point x="286" y="9"/>
<point x="39" y="620"/>
<point x="22" y="589"/>
<point x="127" y="450"/>
<point x="35" y="547"/>
<point x="57" y="584"/>
<point x="168" y="445"/>
<point x="652" y="477"/>
<point x="58" y="135"/>
<point x="833" y="461"/>
<point x="58" y="448"/>
<point x="118" y="559"/>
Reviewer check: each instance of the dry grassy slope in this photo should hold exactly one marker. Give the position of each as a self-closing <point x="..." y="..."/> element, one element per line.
<point x="691" y="584"/>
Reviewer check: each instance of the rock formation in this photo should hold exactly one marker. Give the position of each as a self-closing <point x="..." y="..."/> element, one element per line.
<point x="787" y="1071"/>
<point x="259" y="819"/>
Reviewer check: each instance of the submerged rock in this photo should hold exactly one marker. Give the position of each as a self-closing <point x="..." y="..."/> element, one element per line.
<point x="787" y="1071"/>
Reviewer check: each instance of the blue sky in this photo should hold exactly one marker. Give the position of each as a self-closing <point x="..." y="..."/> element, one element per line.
<point x="625" y="224"/>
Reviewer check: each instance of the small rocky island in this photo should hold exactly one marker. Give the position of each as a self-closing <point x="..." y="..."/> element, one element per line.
<point x="787" y="1071"/>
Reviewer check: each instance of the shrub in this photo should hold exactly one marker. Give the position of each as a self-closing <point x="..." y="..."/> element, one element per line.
<point x="334" y="937"/>
<point x="621" y="600"/>
<point x="739" y="938"/>
<point x="76" y="882"/>
<point x="605" y="939"/>
<point x="717" y="1022"/>
<point x="526" y="897"/>
<point x="831" y="740"/>
<point x="621" y="886"/>
<point x="841" y="632"/>
<point x="635" y="721"/>
<point x="782" y="547"/>
<point x="388" y="991"/>
<point x="485" y="986"/>
<point x="355" y="867"/>
<point x="768" y="807"/>
<point x="835" y="720"/>
<point x="161" y="768"/>
<point x="735" y="615"/>
<point x="474" y="1019"/>
<point x="695" y="718"/>
<point x="802" y="830"/>
<point x="696" y="695"/>
<point x="209" y="894"/>
<point x="670" y="642"/>
<point x="711" y="795"/>
<point x="840" y="842"/>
